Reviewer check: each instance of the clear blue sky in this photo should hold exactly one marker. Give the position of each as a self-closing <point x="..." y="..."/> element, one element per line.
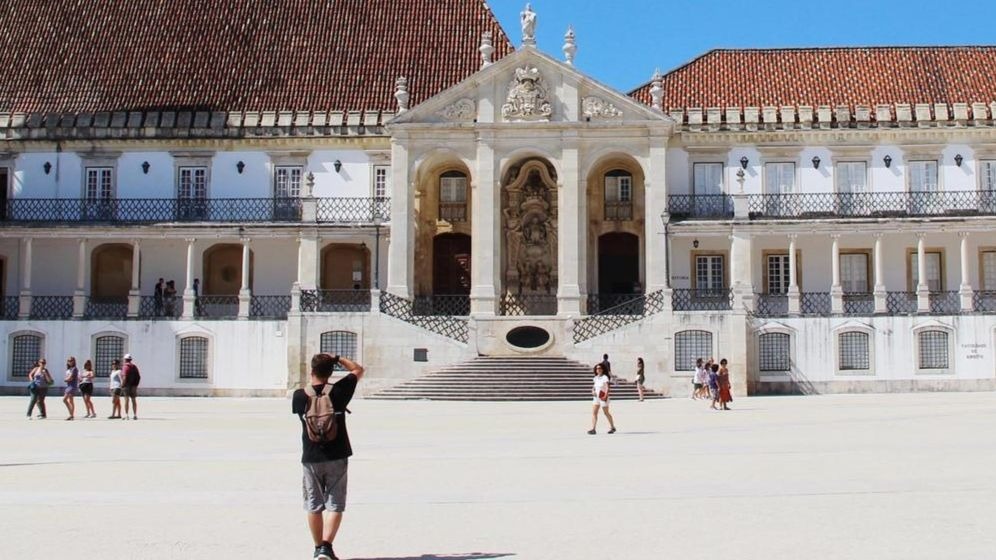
<point x="620" y="42"/>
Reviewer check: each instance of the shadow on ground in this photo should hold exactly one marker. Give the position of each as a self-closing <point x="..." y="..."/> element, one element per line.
<point x="469" y="556"/>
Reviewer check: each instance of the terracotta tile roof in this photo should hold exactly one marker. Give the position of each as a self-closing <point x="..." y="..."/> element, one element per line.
<point x="830" y="76"/>
<point x="75" y="56"/>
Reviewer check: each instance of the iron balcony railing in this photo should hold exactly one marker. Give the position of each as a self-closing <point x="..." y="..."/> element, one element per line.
<point x="945" y="303"/>
<point x="617" y="211"/>
<point x="453" y="211"/>
<point x="527" y="305"/>
<point x="269" y="307"/>
<point x="457" y="328"/>
<point x="11" y="307"/>
<point x="612" y="318"/>
<point x="901" y="303"/>
<point x="165" y="308"/>
<point x="342" y="210"/>
<point x="702" y="300"/>
<point x="106" y="307"/>
<point x="859" y="303"/>
<point x="216" y="307"/>
<point x="631" y="304"/>
<point x="872" y="205"/>
<point x="771" y="305"/>
<point x="453" y="305"/>
<point x="153" y="210"/>
<point x="335" y="301"/>
<point x="698" y="207"/>
<point x="51" y="307"/>
<point x="815" y="303"/>
<point x="984" y="301"/>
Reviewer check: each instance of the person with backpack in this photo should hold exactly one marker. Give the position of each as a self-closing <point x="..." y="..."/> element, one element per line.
<point x="321" y="407"/>
<point x="39" y="380"/>
<point x="130" y="378"/>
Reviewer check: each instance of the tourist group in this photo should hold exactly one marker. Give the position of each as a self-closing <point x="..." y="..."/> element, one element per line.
<point x="123" y="382"/>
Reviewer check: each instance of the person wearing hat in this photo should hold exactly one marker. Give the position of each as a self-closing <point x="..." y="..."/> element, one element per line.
<point x="130" y="378"/>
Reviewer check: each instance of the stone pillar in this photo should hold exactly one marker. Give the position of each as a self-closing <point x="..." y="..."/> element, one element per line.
<point x="245" y="294"/>
<point x="836" y="291"/>
<point x="793" y="287"/>
<point x="881" y="296"/>
<point x="188" y="289"/>
<point x="571" y="236"/>
<point x="965" y="290"/>
<point x="486" y="232"/>
<point x="24" y="310"/>
<point x="401" y="251"/>
<point x="655" y="214"/>
<point x="740" y="271"/>
<point x="308" y="261"/>
<point x="135" y="293"/>
<point x="79" y="296"/>
<point x="922" y="288"/>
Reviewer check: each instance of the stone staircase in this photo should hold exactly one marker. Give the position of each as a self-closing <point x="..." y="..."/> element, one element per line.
<point x="509" y="379"/>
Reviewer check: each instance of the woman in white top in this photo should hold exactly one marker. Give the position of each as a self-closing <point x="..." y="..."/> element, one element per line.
<point x="600" y="398"/>
<point x="115" y="387"/>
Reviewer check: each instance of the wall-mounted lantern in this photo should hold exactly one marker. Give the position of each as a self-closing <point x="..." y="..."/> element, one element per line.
<point x="887" y="160"/>
<point x="958" y="160"/>
<point x="241" y="166"/>
<point x="743" y="162"/>
<point x="145" y="167"/>
<point x="816" y="162"/>
<point x="47" y="167"/>
<point x="337" y="165"/>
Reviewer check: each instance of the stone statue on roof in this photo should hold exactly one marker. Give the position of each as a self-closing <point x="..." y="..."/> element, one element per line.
<point x="528" y="18"/>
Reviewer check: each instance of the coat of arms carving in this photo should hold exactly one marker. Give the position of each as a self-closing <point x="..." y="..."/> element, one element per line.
<point x="527" y="98"/>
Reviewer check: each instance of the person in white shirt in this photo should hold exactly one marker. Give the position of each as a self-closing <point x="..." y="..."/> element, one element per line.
<point x="600" y="399"/>
<point x="697" y="379"/>
<point x="115" y="388"/>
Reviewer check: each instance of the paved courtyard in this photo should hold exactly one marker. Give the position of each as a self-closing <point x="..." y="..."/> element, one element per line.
<point x="849" y="476"/>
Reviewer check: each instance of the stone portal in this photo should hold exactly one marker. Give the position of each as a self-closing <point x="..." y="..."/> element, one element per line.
<point x="530" y="228"/>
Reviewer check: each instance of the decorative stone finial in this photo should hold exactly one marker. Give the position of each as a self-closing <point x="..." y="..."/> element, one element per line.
<point x="528" y="19"/>
<point x="309" y="185"/>
<point x="401" y="93"/>
<point x="656" y="91"/>
<point x="486" y="49"/>
<point x="570" y="45"/>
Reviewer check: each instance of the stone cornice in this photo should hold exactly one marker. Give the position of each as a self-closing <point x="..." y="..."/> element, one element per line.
<point x="178" y="232"/>
<point x="832" y="137"/>
<point x="844" y="226"/>
<point x="13" y="147"/>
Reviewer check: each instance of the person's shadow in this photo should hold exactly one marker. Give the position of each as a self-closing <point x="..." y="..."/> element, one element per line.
<point x="469" y="556"/>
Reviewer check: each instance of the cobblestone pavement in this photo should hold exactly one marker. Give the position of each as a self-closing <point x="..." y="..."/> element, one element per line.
<point x="847" y="476"/>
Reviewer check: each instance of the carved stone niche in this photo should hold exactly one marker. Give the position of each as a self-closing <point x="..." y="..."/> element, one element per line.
<point x="529" y="226"/>
<point x="527" y="98"/>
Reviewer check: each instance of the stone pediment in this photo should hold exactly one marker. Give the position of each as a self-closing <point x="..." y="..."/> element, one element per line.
<point x="529" y="87"/>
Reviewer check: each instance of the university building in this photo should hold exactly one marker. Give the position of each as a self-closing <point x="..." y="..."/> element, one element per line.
<point x="407" y="187"/>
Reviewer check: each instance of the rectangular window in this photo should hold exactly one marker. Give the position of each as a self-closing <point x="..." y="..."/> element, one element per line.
<point x="707" y="178"/>
<point x="690" y="346"/>
<point x="923" y="176"/>
<point x="287" y="181"/>
<point x="851" y="177"/>
<point x="854" y="273"/>
<point x="778" y="274"/>
<point x="194" y="357"/>
<point x="99" y="183"/>
<point x="854" y="351"/>
<point x="709" y="271"/>
<point x="107" y="349"/>
<point x="26" y="348"/>
<point x="339" y="343"/>
<point x="192" y="183"/>
<point x="987" y="175"/>
<point x="989" y="270"/>
<point x="774" y="353"/>
<point x="618" y="188"/>
<point x="933" y="350"/>
<point x="380" y="189"/>
<point x="934" y="283"/>
<point x="453" y="189"/>
<point x="779" y="178"/>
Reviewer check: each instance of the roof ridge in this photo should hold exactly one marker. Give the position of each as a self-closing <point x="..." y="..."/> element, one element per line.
<point x="851" y="48"/>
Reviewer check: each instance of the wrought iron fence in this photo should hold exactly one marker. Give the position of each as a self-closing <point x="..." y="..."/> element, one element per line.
<point x="615" y="317"/>
<point x="457" y="305"/>
<point x="353" y="210"/>
<point x="984" y="301"/>
<point x="945" y="303"/>
<point x="771" y="305"/>
<point x="901" y="303"/>
<point x="165" y="308"/>
<point x="616" y="211"/>
<point x="269" y="307"/>
<point x="527" y="304"/>
<point x="876" y="204"/>
<point x="400" y="308"/>
<point x="702" y="300"/>
<point x="631" y="304"/>
<point x="11" y="307"/>
<point x="51" y="307"/>
<point x="106" y="308"/>
<point x="861" y="303"/>
<point x="216" y="307"/>
<point x="335" y="301"/>
<point x="815" y="303"/>
<point x="691" y="207"/>
<point x="153" y="210"/>
<point x="453" y="211"/>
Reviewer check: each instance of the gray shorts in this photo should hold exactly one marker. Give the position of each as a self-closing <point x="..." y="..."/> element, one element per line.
<point x="324" y="486"/>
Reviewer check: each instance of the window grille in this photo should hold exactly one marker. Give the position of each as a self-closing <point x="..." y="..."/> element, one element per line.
<point x="933" y="350"/>
<point x="778" y="274"/>
<point x="689" y="346"/>
<point x="194" y="357"/>
<point x="853" y="348"/>
<point x="774" y="353"/>
<point x="380" y="182"/>
<point x="339" y="343"/>
<point x="26" y="349"/>
<point x="107" y="349"/>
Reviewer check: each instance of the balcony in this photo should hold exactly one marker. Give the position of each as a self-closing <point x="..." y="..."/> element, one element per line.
<point x="700" y="207"/>
<point x="702" y="300"/>
<point x="618" y="211"/>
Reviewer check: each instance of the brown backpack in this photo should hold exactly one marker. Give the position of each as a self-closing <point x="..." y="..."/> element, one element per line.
<point x="319" y="417"/>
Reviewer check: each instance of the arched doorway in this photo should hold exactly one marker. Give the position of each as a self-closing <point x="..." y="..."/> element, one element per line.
<point x="223" y="270"/>
<point x="110" y="272"/>
<point x="451" y="264"/>
<point x="345" y="266"/>
<point x="618" y="264"/>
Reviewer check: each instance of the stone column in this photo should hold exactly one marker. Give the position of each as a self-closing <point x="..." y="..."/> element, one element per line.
<point x="308" y="257"/>
<point x="188" y="289"/>
<point x="922" y="288"/>
<point x="401" y="251"/>
<point x="655" y="206"/>
<point x="836" y="291"/>
<point x="245" y="294"/>
<point x="740" y="271"/>
<point x="486" y="232"/>
<point x="24" y="310"/>
<point x="793" y="287"/>
<point x="135" y="294"/>
<point x="571" y="236"/>
<point x="79" y="296"/>
<point x="965" y="290"/>
<point x="881" y="296"/>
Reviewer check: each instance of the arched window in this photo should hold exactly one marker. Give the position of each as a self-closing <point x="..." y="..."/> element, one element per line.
<point x="774" y="352"/>
<point x="194" y="353"/>
<point x="453" y="196"/>
<point x="25" y="348"/>
<point x="689" y="346"/>
<point x="340" y="343"/>
<point x="933" y="350"/>
<point x="618" y="196"/>
<point x="854" y="351"/>
<point x="107" y="348"/>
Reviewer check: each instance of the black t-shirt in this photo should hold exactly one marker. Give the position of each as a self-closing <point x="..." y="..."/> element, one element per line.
<point x="342" y="393"/>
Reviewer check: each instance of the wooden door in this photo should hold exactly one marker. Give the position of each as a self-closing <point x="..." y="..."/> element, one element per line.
<point x="451" y="264"/>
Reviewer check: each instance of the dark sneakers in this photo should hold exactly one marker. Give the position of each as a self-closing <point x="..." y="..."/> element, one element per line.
<point x="612" y="431"/>
<point x="324" y="552"/>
